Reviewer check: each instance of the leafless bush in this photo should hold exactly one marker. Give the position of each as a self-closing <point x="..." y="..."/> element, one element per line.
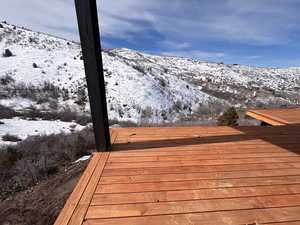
<point x="7" y="113"/>
<point x="11" y="138"/>
<point x="82" y="98"/>
<point x="7" y="53"/>
<point x="177" y="107"/>
<point x="65" y="94"/>
<point x="161" y="81"/>
<point x="146" y="113"/>
<point x="5" y="80"/>
<point x="40" y="94"/>
<point x="38" y="157"/>
<point x="139" y="68"/>
<point x="65" y="115"/>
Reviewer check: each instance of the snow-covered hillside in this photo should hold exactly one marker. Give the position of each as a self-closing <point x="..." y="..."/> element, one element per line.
<point x="140" y="87"/>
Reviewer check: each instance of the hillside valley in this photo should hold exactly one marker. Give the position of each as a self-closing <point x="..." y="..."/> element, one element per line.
<point x="42" y="78"/>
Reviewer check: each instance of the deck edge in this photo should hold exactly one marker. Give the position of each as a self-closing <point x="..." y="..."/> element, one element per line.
<point x="73" y="200"/>
<point x="269" y="119"/>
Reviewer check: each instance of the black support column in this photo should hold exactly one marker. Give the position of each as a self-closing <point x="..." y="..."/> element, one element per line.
<point x="91" y="51"/>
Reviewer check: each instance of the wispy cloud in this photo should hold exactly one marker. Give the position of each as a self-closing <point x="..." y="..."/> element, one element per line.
<point x="176" y="45"/>
<point x="204" y="29"/>
<point x="254" y="22"/>
<point x="254" y="57"/>
<point x="234" y="20"/>
<point x="195" y="54"/>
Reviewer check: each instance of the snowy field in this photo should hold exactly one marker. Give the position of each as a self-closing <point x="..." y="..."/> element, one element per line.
<point x="24" y="128"/>
<point x="141" y="88"/>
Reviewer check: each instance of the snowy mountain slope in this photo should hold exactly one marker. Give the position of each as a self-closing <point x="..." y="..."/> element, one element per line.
<point x="140" y="87"/>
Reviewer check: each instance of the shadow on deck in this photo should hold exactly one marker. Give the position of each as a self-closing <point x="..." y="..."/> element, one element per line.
<point x="191" y="175"/>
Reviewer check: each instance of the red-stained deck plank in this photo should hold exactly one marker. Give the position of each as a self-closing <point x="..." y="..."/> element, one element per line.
<point x="193" y="175"/>
<point x="276" y="117"/>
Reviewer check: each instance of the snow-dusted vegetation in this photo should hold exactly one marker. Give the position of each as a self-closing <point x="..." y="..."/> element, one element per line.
<point x="42" y="78"/>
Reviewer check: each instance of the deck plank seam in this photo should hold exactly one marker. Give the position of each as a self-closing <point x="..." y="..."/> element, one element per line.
<point x="88" y="205"/>
<point x="170" y="167"/>
<point x="195" y="189"/>
<point x="282" y="222"/>
<point x="85" y="189"/>
<point x="249" y="163"/>
<point x="188" y="160"/>
<point x="224" y="171"/>
<point x="180" y="160"/>
<point x="210" y="179"/>
<point x="197" y="212"/>
<point x="204" y="154"/>
<point x="69" y="216"/>
<point x="197" y="199"/>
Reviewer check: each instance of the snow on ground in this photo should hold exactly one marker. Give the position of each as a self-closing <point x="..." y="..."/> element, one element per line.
<point x="83" y="158"/>
<point x="24" y="128"/>
<point x="17" y="103"/>
<point x="142" y="87"/>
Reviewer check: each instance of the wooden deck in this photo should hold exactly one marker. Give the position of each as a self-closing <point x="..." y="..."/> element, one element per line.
<point x="191" y="175"/>
<point x="276" y="117"/>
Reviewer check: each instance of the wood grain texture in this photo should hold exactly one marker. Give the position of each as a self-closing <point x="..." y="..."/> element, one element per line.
<point x="198" y="176"/>
<point x="194" y="175"/>
<point x="75" y="197"/>
<point x="191" y="206"/>
<point x="195" y="184"/>
<point x="86" y="198"/>
<point x="162" y="196"/>
<point x="276" y="117"/>
<point x="260" y="216"/>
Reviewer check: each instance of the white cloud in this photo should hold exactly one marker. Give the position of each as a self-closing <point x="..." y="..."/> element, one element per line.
<point x="195" y="54"/>
<point x="176" y="45"/>
<point x="254" y="57"/>
<point x="56" y="17"/>
<point x="256" y="22"/>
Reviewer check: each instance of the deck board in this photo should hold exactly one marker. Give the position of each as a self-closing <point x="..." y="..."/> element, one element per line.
<point x="191" y="175"/>
<point x="276" y="117"/>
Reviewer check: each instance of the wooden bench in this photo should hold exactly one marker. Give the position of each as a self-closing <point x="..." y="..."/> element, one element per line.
<point x="276" y="117"/>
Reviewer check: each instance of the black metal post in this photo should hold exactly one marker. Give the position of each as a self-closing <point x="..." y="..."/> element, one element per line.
<point x="91" y="51"/>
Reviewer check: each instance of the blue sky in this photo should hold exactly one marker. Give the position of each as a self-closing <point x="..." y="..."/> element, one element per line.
<point x="256" y="32"/>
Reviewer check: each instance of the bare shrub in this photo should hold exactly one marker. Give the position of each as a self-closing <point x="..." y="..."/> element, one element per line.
<point x="162" y="82"/>
<point x="65" y="94"/>
<point x="164" y="114"/>
<point x="177" y="107"/>
<point x="82" y="98"/>
<point x="120" y="112"/>
<point x="7" y="79"/>
<point x="38" y="157"/>
<point x="54" y="91"/>
<point x="139" y="68"/>
<point x="11" y="138"/>
<point x="40" y="94"/>
<point x="7" y="53"/>
<point x="7" y="113"/>
<point x="146" y="113"/>
<point x="8" y="158"/>
<point x="65" y="115"/>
